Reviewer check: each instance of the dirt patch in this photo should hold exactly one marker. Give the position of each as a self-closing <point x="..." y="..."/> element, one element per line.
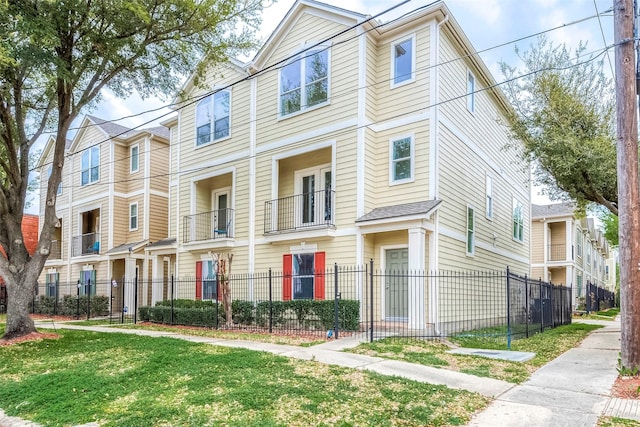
<point x="33" y="336"/>
<point x="626" y="388"/>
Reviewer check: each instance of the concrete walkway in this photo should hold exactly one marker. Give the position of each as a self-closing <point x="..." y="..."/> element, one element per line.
<point x="572" y="390"/>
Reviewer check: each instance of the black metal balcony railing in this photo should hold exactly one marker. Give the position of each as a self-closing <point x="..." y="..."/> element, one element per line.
<point x="55" y="251"/>
<point x="212" y="225"/>
<point x="300" y="211"/>
<point x="557" y="252"/>
<point x="87" y="244"/>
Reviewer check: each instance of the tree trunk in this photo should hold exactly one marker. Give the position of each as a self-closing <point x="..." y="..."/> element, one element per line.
<point x="628" y="197"/>
<point x="18" y="321"/>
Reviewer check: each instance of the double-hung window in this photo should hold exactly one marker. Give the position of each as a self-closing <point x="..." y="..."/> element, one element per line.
<point x="471" y="92"/>
<point x="403" y="55"/>
<point x="401" y="160"/>
<point x="213" y="117"/>
<point x="133" y="216"/>
<point x="90" y="166"/>
<point x="304" y="82"/>
<point x="471" y="231"/>
<point x="518" y="221"/>
<point x="134" y="158"/>
<point x="489" y="195"/>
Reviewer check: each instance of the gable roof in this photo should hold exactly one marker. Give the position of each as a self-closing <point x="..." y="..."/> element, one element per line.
<point x="553" y="210"/>
<point x="401" y="210"/>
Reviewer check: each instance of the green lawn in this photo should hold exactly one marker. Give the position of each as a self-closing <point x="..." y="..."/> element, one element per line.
<point x="547" y="346"/>
<point x="125" y="380"/>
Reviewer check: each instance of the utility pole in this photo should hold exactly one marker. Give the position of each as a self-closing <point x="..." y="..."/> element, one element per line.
<point x="628" y="197"/>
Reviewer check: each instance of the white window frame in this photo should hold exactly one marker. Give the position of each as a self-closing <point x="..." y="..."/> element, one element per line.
<point x="136" y="216"/>
<point x="209" y="103"/>
<point x="471" y="231"/>
<point x="489" y="196"/>
<point x="392" y="161"/>
<point x="89" y="153"/>
<point x="392" y="60"/>
<point x="135" y="156"/>
<point x="302" y="59"/>
<point x="517" y="234"/>
<point x="471" y="91"/>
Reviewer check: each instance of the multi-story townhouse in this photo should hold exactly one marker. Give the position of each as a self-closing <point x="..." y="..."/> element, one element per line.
<point x="566" y="248"/>
<point x="346" y="140"/>
<point x="111" y="203"/>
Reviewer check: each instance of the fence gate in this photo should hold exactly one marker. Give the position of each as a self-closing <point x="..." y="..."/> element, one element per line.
<point x="124" y="301"/>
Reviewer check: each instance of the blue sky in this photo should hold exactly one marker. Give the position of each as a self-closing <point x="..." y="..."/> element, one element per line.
<point x="487" y="23"/>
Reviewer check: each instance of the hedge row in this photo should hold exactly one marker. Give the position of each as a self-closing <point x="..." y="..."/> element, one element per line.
<point x="69" y="305"/>
<point x="302" y="314"/>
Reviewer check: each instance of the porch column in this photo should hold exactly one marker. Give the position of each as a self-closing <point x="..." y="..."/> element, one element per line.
<point x="416" y="265"/>
<point x="157" y="279"/>
<point x="569" y="241"/>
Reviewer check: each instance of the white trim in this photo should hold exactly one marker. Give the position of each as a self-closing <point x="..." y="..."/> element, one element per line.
<point x="240" y="155"/>
<point x="137" y="169"/>
<point x="137" y="216"/>
<point x="419" y="116"/>
<point x="252" y="172"/>
<point x="141" y="193"/>
<point x="306" y="136"/>
<point x="392" y="61"/>
<point x="146" y="215"/>
<point x="303" y="248"/>
<point x="434" y="37"/>
<point x="360" y="133"/>
<point x="303" y="55"/>
<point x="473" y="230"/>
<point x="488" y="189"/>
<point x="412" y="159"/>
<point x="444" y="231"/>
<point x="471" y="94"/>
<point x="211" y="100"/>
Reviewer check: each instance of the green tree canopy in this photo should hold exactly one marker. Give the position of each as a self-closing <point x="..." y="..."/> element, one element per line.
<point x="56" y="57"/>
<point x="563" y="113"/>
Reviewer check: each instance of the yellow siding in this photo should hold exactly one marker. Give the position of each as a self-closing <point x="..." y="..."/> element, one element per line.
<point x="537" y="241"/>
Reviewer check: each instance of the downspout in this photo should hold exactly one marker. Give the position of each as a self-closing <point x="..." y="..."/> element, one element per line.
<point x="434" y="168"/>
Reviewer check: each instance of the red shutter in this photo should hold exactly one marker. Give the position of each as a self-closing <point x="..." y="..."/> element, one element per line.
<point x="198" y="279"/>
<point x="287" y="270"/>
<point x="318" y="282"/>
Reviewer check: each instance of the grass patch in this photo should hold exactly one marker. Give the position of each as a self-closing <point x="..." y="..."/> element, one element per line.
<point x="118" y="379"/>
<point x="547" y="347"/>
<point x="617" y="422"/>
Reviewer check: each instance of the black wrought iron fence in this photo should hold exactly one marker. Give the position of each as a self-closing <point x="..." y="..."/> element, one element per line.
<point x="598" y="298"/>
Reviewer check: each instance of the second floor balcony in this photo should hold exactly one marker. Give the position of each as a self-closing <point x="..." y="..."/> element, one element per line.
<point x="217" y="224"/>
<point x="558" y="252"/>
<point x="86" y="244"/>
<point x="300" y="212"/>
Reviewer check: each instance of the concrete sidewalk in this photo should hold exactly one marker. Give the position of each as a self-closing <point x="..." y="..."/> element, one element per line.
<point x="572" y="390"/>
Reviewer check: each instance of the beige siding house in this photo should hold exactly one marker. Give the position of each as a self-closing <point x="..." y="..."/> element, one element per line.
<point x="567" y="249"/>
<point x="345" y="141"/>
<point x="112" y="202"/>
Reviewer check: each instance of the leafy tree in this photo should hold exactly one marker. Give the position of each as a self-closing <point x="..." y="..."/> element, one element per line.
<point x="55" y="58"/>
<point x="564" y="114"/>
<point x="610" y="224"/>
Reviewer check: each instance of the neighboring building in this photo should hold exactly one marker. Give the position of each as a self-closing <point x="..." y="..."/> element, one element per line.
<point x="567" y="249"/>
<point x="111" y="203"/>
<point x="346" y="140"/>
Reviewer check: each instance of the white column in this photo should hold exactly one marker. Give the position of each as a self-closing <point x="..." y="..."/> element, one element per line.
<point x="569" y="240"/>
<point x="157" y="274"/>
<point x="416" y="264"/>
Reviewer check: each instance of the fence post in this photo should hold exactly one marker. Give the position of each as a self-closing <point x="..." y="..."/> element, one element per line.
<point x="172" y="298"/>
<point x="55" y="301"/>
<point x="88" y="298"/>
<point x="110" y="300"/>
<point x="509" y="309"/>
<point x="336" y="297"/>
<point x="541" y="304"/>
<point x="270" y="303"/>
<point x="78" y="301"/>
<point x="371" y="300"/>
<point x="124" y="284"/>
<point x="135" y="298"/>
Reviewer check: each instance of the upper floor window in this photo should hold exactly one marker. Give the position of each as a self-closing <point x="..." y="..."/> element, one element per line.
<point x="471" y="92"/>
<point x="134" y="157"/>
<point x="133" y="216"/>
<point x="489" y="195"/>
<point x="90" y="166"/>
<point x="401" y="161"/>
<point x="579" y="243"/>
<point x="403" y="61"/>
<point x="212" y="117"/>
<point x="304" y="82"/>
<point x="471" y="230"/>
<point x="518" y="221"/>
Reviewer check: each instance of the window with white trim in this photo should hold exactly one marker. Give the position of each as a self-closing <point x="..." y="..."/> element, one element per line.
<point x="579" y="243"/>
<point x="134" y="158"/>
<point x="518" y="221"/>
<point x="471" y="92"/>
<point x="90" y="166"/>
<point x="401" y="160"/>
<point x="213" y="117"/>
<point x="133" y="216"/>
<point x="489" y="196"/>
<point x="403" y="54"/>
<point x="304" y="82"/>
<point x="471" y="231"/>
